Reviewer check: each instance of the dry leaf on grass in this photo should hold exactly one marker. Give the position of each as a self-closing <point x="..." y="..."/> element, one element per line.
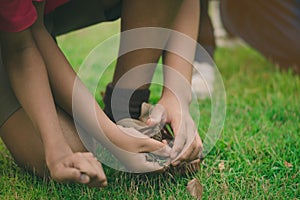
<point x="287" y="164"/>
<point x="194" y="187"/>
<point x="221" y="165"/>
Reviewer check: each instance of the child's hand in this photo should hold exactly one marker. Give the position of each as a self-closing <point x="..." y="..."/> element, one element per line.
<point x="187" y="144"/>
<point x="134" y="156"/>
<point x="80" y="168"/>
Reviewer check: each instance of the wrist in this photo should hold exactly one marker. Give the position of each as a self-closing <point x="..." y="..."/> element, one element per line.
<point x="182" y="97"/>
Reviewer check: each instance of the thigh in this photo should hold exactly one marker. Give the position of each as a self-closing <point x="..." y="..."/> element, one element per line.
<point x="25" y="144"/>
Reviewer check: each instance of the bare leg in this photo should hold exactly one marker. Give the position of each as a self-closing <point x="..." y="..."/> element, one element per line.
<point x="25" y="143"/>
<point x="206" y="32"/>
<point x="136" y="14"/>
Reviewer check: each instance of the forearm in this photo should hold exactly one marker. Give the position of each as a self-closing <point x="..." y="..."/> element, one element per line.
<point x="177" y="76"/>
<point x="63" y="79"/>
<point x="28" y="77"/>
<point x="61" y="75"/>
<point x="72" y="95"/>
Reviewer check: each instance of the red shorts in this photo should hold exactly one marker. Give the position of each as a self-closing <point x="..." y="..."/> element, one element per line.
<point x="17" y="15"/>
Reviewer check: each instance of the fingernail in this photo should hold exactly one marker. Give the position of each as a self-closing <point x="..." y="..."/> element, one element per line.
<point x="84" y="178"/>
<point x="104" y="184"/>
<point x="175" y="163"/>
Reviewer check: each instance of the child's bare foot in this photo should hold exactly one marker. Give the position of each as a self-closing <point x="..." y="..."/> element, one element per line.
<point x="78" y="167"/>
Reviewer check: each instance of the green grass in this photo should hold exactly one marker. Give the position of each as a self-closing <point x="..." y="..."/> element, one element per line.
<point x="261" y="132"/>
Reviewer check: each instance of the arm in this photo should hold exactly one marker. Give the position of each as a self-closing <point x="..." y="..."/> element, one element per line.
<point x="176" y="94"/>
<point x="28" y="77"/>
<point x="62" y="79"/>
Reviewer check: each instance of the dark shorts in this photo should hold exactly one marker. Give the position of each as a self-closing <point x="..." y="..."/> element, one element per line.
<point x="77" y="14"/>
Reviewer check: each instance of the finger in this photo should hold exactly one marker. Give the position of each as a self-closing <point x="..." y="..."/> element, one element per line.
<point x="195" y="154"/>
<point x="165" y="151"/>
<point x="164" y="142"/>
<point x="84" y="178"/>
<point x="199" y="147"/>
<point x="132" y="132"/>
<point x="192" y="166"/>
<point x="97" y="183"/>
<point x="189" y="147"/>
<point x="156" y="147"/>
<point x="189" y="133"/>
<point x="194" y="145"/>
<point x="99" y="180"/>
<point x="152" y="167"/>
<point x="184" y="156"/>
<point x="179" y="141"/>
<point x="80" y="162"/>
<point x="199" y="144"/>
<point x="157" y="116"/>
<point x="196" y="164"/>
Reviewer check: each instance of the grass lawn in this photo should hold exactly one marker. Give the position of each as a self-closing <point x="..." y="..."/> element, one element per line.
<point x="259" y="146"/>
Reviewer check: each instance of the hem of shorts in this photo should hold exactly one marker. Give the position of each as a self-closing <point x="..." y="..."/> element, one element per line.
<point x="3" y="121"/>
